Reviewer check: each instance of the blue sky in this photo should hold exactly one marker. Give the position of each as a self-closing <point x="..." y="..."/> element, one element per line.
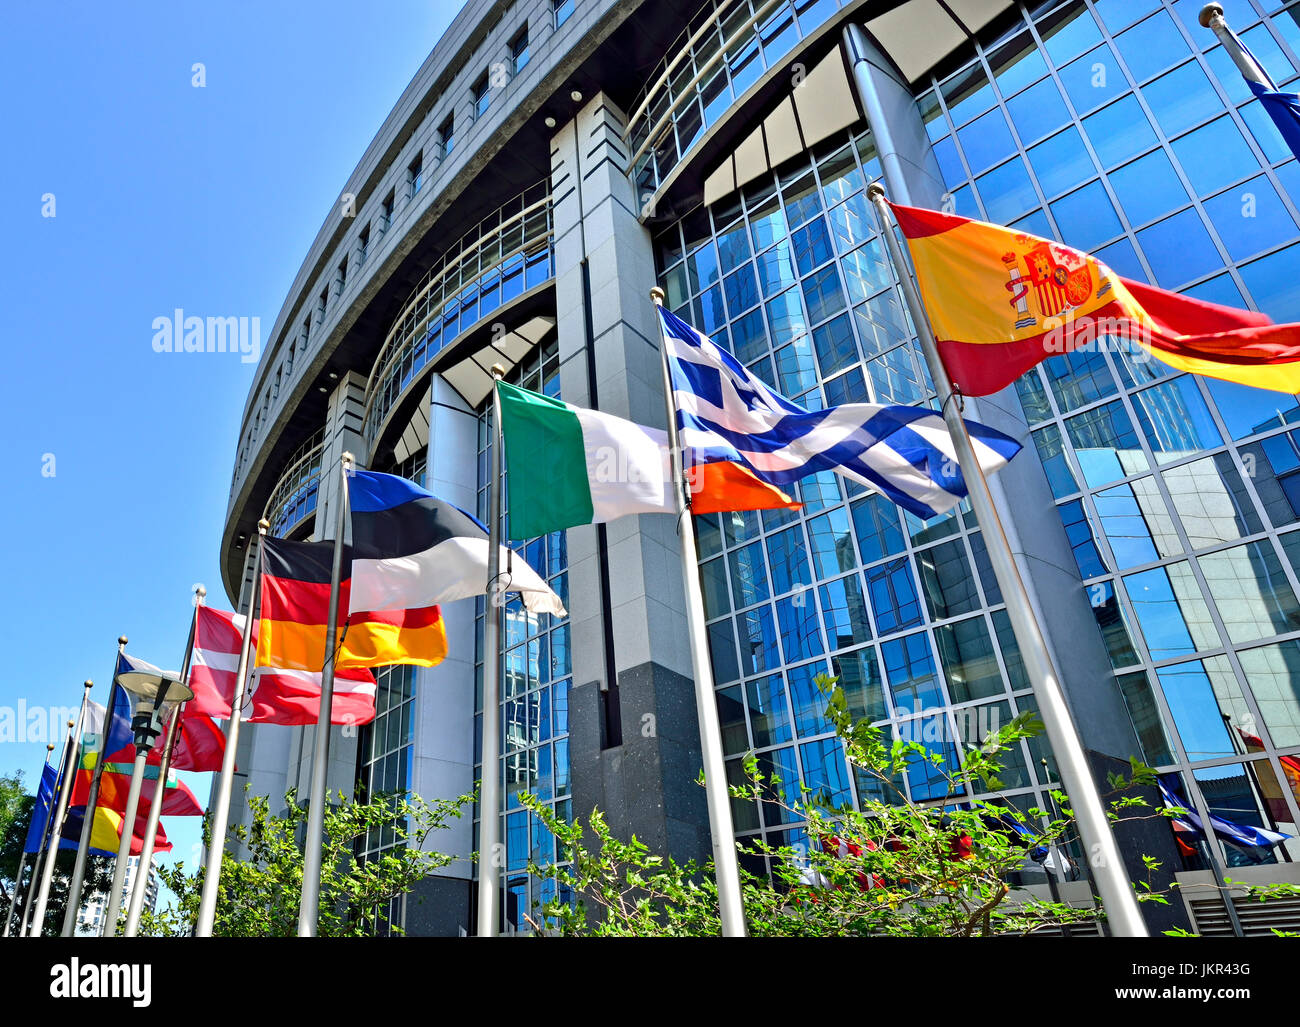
<point x="165" y="196"/>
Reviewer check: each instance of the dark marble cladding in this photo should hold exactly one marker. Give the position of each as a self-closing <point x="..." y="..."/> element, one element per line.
<point x="647" y="785"/>
<point x="439" y="907"/>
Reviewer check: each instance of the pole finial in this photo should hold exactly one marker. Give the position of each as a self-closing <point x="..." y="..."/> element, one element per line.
<point x="1208" y="13"/>
<point x="875" y="191"/>
<point x="71" y="722"/>
<point x="657" y="296"/>
<point x="498" y="372"/>
<point x="263" y="526"/>
<point x="200" y="591"/>
<point x="49" y="747"/>
<point x="89" y="684"/>
<point x="348" y="459"/>
<point x="121" y="640"/>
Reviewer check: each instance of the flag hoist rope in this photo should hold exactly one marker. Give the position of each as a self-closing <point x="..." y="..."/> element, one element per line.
<point x="221" y="803"/>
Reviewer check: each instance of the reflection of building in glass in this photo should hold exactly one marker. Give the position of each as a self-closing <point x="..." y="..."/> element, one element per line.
<point x="1158" y="514"/>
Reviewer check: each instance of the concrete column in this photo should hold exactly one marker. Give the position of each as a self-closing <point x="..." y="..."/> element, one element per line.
<point x="604" y="271"/>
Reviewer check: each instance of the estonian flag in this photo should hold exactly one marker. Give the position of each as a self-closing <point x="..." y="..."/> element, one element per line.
<point x="411" y="549"/>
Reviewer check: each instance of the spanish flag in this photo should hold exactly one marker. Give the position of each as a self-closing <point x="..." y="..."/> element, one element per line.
<point x="295" y="612"/>
<point x="1001" y="301"/>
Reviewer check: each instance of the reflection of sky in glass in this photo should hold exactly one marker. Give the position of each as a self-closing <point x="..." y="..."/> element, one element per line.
<point x="1195" y="709"/>
<point x="1170" y="610"/>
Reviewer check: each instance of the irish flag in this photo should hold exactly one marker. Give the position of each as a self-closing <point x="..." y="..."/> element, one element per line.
<point x="567" y="466"/>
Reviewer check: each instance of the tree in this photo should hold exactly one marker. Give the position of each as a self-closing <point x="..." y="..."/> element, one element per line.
<point x="894" y="868"/>
<point x="15" y="816"/>
<point x="261" y="891"/>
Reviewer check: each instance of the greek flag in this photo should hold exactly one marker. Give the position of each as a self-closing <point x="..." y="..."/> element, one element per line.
<point x="725" y="413"/>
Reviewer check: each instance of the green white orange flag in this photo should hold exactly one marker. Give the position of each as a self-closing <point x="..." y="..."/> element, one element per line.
<point x="1001" y="301"/>
<point x="566" y="466"/>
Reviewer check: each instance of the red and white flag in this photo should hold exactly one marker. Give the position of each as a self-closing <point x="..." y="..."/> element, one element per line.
<point x="218" y="638"/>
<point x="289" y="697"/>
<point x="293" y="696"/>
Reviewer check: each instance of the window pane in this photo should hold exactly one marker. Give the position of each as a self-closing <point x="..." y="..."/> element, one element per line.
<point x="1275" y="285"/>
<point x="1037" y="111"/>
<point x="859" y="676"/>
<point x="1273" y="673"/>
<point x="1179" y="249"/>
<point x="1079" y="533"/>
<point x="1211" y="501"/>
<point x="1086" y="217"/>
<point x="893" y="596"/>
<point x="1207" y="706"/>
<point x="986" y="141"/>
<point x="1151" y="46"/>
<point x="1214" y="155"/>
<point x="1051" y="451"/>
<point x="947" y="580"/>
<point x="1136" y="524"/>
<point x="875" y="522"/>
<point x="845" y="613"/>
<point x="1176" y="420"/>
<point x="1251" y="591"/>
<point x="1062" y="162"/>
<point x="1274" y="466"/>
<point x="1007" y="192"/>
<point x="757" y="637"/>
<point x="1181" y="98"/>
<point x="1119" y="131"/>
<point x="768" y="719"/>
<point x="1250" y="218"/>
<point x="1148" y="188"/>
<point x="1111" y="624"/>
<point x="1105" y="444"/>
<point x="1171" y="612"/>
<point x="1079" y="378"/>
<point x="1093" y="79"/>
<point x="825" y="772"/>
<point x="1144" y="712"/>
<point x="909" y="669"/>
<point x="969" y="663"/>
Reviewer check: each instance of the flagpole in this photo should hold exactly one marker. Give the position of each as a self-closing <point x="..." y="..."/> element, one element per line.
<point x="141" y="883"/>
<point x="1123" y="914"/>
<point x="489" y="894"/>
<point x="39" y="863"/>
<point x="309" y="907"/>
<point x="1211" y="17"/>
<point x="92" y="799"/>
<point x="114" y="901"/>
<point x="221" y="804"/>
<point x="56" y="827"/>
<point x="22" y="856"/>
<point x="731" y="906"/>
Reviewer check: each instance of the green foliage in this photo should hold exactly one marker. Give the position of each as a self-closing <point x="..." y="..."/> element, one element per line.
<point x="15" y="816"/>
<point x="261" y="891"/>
<point x="893" y="868"/>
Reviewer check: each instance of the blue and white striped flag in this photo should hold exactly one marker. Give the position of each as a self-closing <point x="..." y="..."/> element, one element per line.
<point x="725" y="413"/>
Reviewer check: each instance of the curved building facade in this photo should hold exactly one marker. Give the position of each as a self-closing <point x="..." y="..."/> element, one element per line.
<point x="553" y="159"/>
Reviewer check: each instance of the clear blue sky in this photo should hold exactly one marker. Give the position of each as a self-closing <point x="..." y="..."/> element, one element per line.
<point x="166" y="196"/>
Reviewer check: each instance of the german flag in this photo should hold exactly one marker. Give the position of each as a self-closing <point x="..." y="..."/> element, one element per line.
<point x="295" y="612"/>
<point x="1001" y="301"/>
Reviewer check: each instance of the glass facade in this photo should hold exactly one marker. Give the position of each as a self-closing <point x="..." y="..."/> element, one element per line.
<point x="1125" y="132"/>
<point x="1123" y="129"/>
<point x="536" y="675"/>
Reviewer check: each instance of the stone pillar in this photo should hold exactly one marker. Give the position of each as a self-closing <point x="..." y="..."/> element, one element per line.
<point x="604" y="271"/>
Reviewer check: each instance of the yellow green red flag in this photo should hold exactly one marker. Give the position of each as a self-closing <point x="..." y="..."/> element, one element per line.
<point x="1001" y="301"/>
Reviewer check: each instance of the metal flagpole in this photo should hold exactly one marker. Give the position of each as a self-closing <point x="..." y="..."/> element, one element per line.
<point x="1123" y="914"/>
<point x="141" y="883"/>
<point x="56" y="827"/>
<point x="731" y="906"/>
<point x="221" y="804"/>
<point x="83" y="847"/>
<point x="22" y="858"/>
<point x="39" y="863"/>
<point x="1211" y="17"/>
<point x="309" y="907"/>
<point x="113" y="903"/>
<point x="489" y="876"/>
